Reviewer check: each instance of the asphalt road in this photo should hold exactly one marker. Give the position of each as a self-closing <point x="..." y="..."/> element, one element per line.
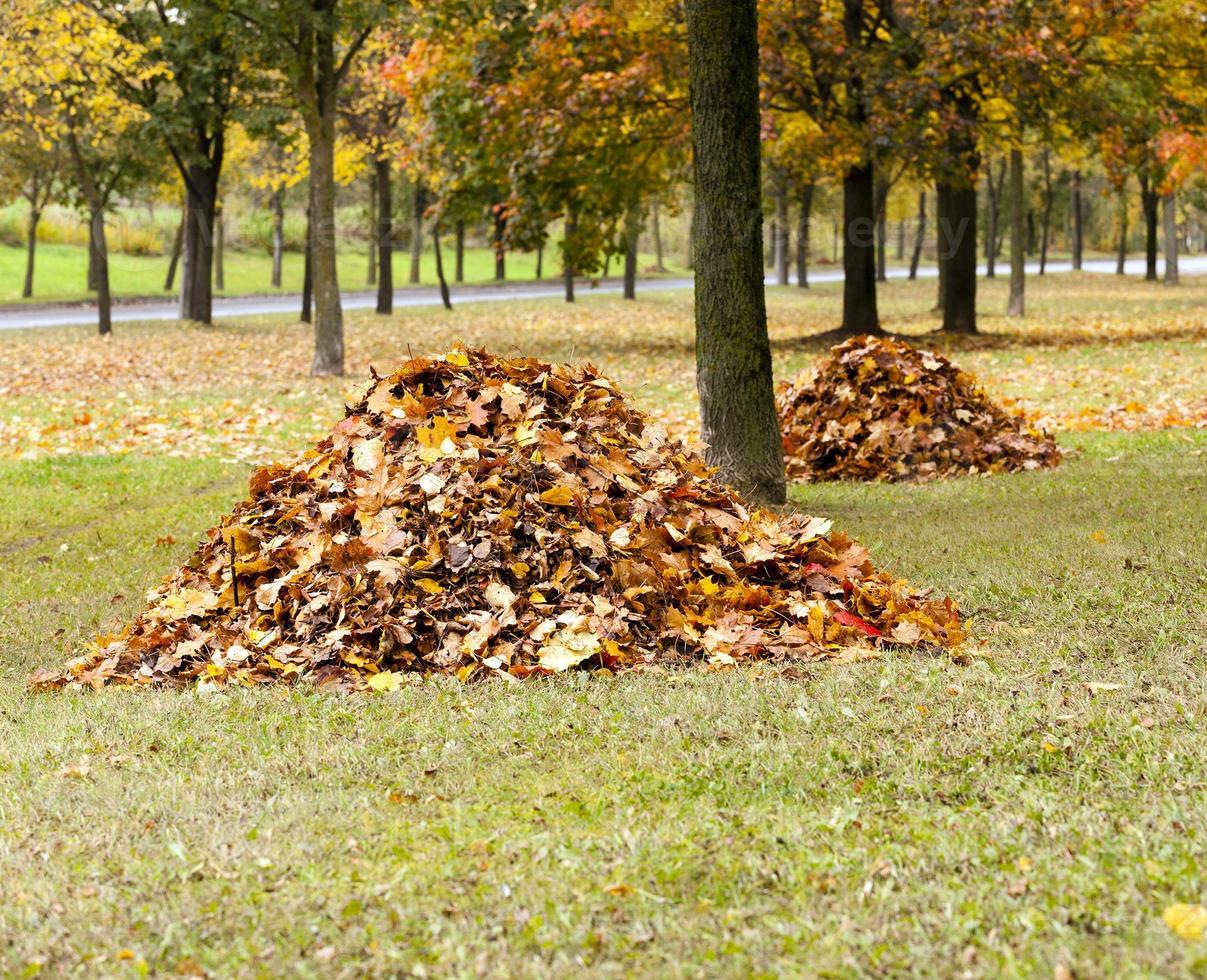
<point x="13" y="318"/>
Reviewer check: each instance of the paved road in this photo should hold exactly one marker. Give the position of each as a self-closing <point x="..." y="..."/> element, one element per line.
<point x="59" y="316"/>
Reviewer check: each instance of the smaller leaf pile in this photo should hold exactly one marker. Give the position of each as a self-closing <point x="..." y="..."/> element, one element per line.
<point x="475" y="515"/>
<point x="878" y="409"/>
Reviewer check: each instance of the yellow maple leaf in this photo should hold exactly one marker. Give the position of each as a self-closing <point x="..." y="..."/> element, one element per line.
<point x="387" y="680"/>
<point x="1187" y="921"/>
<point x="437" y="439"/>
<point x="429" y="585"/>
<point x="559" y="496"/>
<point x="457" y="358"/>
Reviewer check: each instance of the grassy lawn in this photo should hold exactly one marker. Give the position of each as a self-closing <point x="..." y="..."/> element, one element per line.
<point x="60" y="271"/>
<point x="1039" y="807"/>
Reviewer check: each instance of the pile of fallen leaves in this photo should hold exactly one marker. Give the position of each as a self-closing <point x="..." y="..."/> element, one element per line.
<point x="878" y="409"/>
<point x="475" y="515"/>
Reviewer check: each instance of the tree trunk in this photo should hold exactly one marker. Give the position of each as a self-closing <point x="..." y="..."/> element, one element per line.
<point x="197" y="292"/>
<point x="632" y="231"/>
<point x="567" y="247"/>
<point x="540" y="260"/>
<point x="459" y="258"/>
<point x="1031" y="231"/>
<point x="444" y="296"/>
<point x="1075" y="204"/>
<point x="385" y="239"/>
<point x="959" y="241"/>
<point x="497" y="243"/>
<point x="91" y="263"/>
<point x="308" y="265"/>
<point x="733" y="353"/>
<point x="1121" y="260"/>
<point x="1045" y="228"/>
<point x="780" y="231"/>
<point x="31" y="248"/>
<point x="104" y="302"/>
<point x="882" y="190"/>
<point x="1018" y="231"/>
<point x="920" y="237"/>
<point x="994" y="194"/>
<point x="278" y="235"/>
<point x="371" y="266"/>
<point x="418" y="204"/>
<point x="328" y="310"/>
<point x="942" y="223"/>
<point x="859" y="313"/>
<point x="219" y="249"/>
<point x="174" y="259"/>
<point x="1169" y="212"/>
<point x="802" y="235"/>
<point x="1148" y="202"/>
<point x="656" y="231"/>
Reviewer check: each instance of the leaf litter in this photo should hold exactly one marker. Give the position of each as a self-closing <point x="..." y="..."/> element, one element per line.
<point x="876" y="408"/>
<point x="475" y="515"/>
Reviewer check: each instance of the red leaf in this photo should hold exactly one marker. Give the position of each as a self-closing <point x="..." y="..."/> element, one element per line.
<point x="850" y="619"/>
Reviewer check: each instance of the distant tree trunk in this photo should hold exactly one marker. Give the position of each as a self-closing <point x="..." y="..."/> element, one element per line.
<point x="1148" y="203"/>
<point x="540" y="260"/>
<point x="418" y="204"/>
<point x="444" y="296"/>
<point x="308" y="267"/>
<point x="385" y="239"/>
<point x="691" y="239"/>
<point x="278" y="235"/>
<point x="733" y="353"/>
<point x="859" y="313"/>
<point x="1169" y="212"/>
<point x="371" y="266"/>
<point x="1031" y="241"/>
<point x="197" y="289"/>
<point x="100" y="249"/>
<point x="567" y="261"/>
<point x="900" y="252"/>
<point x="802" y="235"/>
<point x="1121" y="260"/>
<point x="920" y="237"/>
<point x="1045" y="228"/>
<point x="942" y="244"/>
<point x="656" y="231"/>
<point x="882" y="190"/>
<point x="174" y="259"/>
<point x="994" y="193"/>
<point x="1078" y="240"/>
<point x="632" y="229"/>
<point x="497" y="243"/>
<point x="781" y="232"/>
<point x="219" y="249"/>
<point x="91" y="264"/>
<point x="31" y="248"/>
<point x="459" y="260"/>
<point x="1018" y="228"/>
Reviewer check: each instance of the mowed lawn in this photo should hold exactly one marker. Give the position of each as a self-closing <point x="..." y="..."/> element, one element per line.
<point x="1037" y="808"/>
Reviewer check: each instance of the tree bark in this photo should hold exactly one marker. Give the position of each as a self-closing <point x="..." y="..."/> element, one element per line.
<point x="859" y="313"/>
<point x="371" y="265"/>
<point x="900" y="252"/>
<point x="656" y="231"/>
<point x="802" y="235"/>
<point x="632" y="231"/>
<point x="497" y="243"/>
<point x="418" y="204"/>
<point x="733" y="353"/>
<point x="278" y="236"/>
<point x="308" y="266"/>
<point x="1075" y="204"/>
<point x="540" y="260"/>
<point x="920" y="237"/>
<point x="197" y="292"/>
<point x="882" y="190"/>
<point x="104" y="301"/>
<point x="1121" y="260"/>
<point x="780" y="231"/>
<point x="958" y="240"/>
<point x="1148" y="203"/>
<point x="459" y="258"/>
<point x="994" y="195"/>
<point x="174" y="259"/>
<point x="31" y="248"/>
<point x="1045" y="227"/>
<point x="942" y="222"/>
<point x="1018" y="231"/>
<point x="444" y="295"/>
<point x="219" y="249"/>
<point x="567" y="247"/>
<point x="385" y="239"/>
<point x="1169" y="212"/>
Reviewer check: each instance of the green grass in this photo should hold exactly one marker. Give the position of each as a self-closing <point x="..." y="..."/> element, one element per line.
<point x="60" y="271"/>
<point x="900" y="816"/>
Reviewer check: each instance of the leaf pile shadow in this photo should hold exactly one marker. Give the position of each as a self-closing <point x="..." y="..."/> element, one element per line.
<point x="480" y="516"/>
<point x="876" y="408"/>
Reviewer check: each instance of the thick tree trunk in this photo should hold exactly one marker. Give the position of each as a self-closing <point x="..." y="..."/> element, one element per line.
<point x="781" y="232"/>
<point x="1018" y="230"/>
<point x="1169" y="212"/>
<point x="802" y="235"/>
<point x="632" y="231"/>
<point x="278" y="236"/>
<point x="959" y="242"/>
<point x="371" y="266"/>
<point x="385" y="239"/>
<point x="1121" y="259"/>
<point x="859" y="313"/>
<point x="197" y="292"/>
<point x="328" y="310"/>
<point x="496" y="242"/>
<point x="1148" y="203"/>
<point x="219" y="249"/>
<point x="567" y="248"/>
<point x="438" y="255"/>
<point x="418" y="204"/>
<point x="920" y="237"/>
<point x="656" y="232"/>
<point x="308" y="266"/>
<point x="31" y="248"/>
<point x="174" y="259"/>
<point x="1075" y="205"/>
<point x="459" y="258"/>
<point x="733" y="353"/>
<point x="882" y="189"/>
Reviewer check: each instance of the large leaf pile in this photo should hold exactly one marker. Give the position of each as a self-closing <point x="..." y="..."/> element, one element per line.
<point x="475" y="514"/>
<point x="878" y="409"/>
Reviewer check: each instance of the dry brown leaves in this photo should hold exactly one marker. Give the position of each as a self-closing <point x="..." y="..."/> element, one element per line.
<point x="878" y="409"/>
<point x="481" y="516"/>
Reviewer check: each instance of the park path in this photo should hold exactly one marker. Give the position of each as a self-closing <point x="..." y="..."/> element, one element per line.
<point x="14" y="318"/>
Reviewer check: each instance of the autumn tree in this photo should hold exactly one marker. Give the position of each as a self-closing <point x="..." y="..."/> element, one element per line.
<point x="31" y="165"/>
